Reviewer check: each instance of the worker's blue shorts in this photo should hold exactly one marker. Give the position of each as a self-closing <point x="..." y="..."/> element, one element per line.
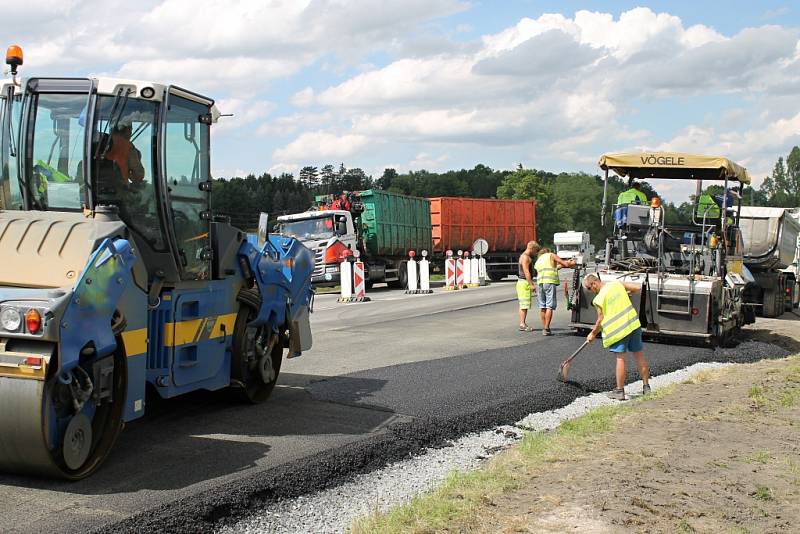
<point x="546" y="295"/>
<point x="631" y="343"/>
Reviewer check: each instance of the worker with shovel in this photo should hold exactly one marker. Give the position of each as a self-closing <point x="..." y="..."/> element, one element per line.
<point x="622" y="331"/>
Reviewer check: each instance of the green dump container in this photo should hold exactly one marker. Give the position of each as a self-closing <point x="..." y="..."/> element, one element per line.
<point x="394" y="224"/>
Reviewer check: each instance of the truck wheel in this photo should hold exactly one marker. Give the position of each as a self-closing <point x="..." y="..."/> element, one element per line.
<point x="402" y="277"/>
<point x="495" y="276"/>
<point x="255" y="359"/>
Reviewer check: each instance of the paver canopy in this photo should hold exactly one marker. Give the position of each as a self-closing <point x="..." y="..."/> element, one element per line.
<point x="674" y="165"/>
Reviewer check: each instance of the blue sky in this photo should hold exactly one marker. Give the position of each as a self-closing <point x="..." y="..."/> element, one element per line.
<point x="445" y="84"/>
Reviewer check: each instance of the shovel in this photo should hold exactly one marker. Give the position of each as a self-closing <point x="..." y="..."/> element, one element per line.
<point x="563" y="369"/>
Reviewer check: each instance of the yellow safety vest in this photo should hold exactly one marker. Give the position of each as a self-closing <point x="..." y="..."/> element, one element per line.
<point x="707" y="207"/>
<point x="546" y="272"/>
<point x="631" y="196"/>
<point x="619" y="317"/>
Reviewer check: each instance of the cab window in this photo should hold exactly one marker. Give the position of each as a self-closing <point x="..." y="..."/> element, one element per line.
<point x="123" y="156"/>
<point x="10" y="191"/>
<point x="186" y="166"/>
<point x="55" y="169"/>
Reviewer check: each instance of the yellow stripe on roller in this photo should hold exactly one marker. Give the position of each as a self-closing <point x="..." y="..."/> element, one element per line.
<point x="190" y="332"/>
<point x="135" y="341"/>
<point x="182" y="332"/>
<point x="228" y="321"/>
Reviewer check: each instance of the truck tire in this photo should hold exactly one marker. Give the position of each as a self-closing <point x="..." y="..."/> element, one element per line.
<point x="495" y="276"/>
<point x="772" y="303"/>
<point x="402" y="277"/>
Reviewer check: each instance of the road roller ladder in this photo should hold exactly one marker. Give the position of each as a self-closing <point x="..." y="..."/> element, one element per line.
<point x="117" y="280"/>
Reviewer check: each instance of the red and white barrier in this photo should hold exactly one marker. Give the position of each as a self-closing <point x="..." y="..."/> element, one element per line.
<point x="359" y="283"/>
<point x="450" y="271"/>
<point x="459" y="270"/>
<point x="352" y="281"/>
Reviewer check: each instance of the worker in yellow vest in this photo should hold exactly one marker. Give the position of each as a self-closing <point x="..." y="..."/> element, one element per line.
<point x="622" y="331"/>
<point x="632" y="195"/>
<point x="546" y="267"/>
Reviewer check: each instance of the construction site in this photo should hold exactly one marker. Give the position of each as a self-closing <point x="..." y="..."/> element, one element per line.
<point x="423" y="352"/>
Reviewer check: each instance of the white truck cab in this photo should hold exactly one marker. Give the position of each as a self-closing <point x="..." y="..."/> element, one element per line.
<point x="329" y="234"/>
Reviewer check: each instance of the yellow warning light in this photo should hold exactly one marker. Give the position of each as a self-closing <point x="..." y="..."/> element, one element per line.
<point x="655" y="202"/>
<point x="14" y="57"/>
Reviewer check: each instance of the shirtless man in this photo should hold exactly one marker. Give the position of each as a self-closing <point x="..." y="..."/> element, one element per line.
<point x="525" y="284"/>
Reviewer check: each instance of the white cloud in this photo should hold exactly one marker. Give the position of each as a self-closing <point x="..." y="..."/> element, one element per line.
<point x="303" y="98"/>
<point x="320" y="146"/>
<point x="425" y="161"/>
<point x="555" y="88"/>
<point x="244" y="112"/>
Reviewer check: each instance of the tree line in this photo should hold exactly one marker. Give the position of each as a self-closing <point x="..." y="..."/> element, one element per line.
<point x="565" y="201"/>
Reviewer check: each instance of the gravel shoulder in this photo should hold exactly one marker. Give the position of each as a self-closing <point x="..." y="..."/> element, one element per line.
<point x="718" y="453"/>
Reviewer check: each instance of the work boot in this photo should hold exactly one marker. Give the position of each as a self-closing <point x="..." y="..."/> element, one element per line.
<point x="645" y="389"/>
<point x="617" y="394"/>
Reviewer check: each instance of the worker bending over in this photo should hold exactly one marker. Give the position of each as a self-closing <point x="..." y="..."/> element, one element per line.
<point x="622" y="331"/>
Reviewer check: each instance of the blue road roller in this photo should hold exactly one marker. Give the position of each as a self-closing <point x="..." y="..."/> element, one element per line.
<point x="116" y="275"/>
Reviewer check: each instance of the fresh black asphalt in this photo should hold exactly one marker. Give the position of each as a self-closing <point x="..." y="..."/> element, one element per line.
<point x="441" y="400"/>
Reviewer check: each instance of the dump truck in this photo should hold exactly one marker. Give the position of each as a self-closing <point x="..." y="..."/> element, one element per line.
<point x="117" y="277"/>
<point x="691" y="275"/>
<point x="382" y="226"/>
<point x="506" y="225"/>
<point x="770" y="237"/>
<point x="385" y="226"/>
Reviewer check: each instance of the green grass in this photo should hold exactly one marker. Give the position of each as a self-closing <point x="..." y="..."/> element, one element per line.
<point x="763" y="493"/>
<point x="457" y="503"/>
<point x="758" y="395"/>
<point x="462" y="494"/>
<point x="758" y="457"/>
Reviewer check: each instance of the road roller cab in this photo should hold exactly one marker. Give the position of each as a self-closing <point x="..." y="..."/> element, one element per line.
<point x="115" y="274"/>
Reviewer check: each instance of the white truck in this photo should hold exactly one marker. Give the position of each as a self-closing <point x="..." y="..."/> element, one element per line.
<point x="770" y="252"/>
<point x="572" y="244"/>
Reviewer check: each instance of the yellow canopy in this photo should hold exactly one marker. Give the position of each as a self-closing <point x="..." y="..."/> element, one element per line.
<point x="676" y="165"/>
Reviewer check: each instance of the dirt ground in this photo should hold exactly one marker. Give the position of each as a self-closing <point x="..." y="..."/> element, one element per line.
<point x="719" y="454"/>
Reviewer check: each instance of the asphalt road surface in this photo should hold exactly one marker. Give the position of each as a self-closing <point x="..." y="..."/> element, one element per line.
<point x="384" y="379"/>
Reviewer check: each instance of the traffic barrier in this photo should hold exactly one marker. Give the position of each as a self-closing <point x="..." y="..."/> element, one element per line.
<point x="450" y="272"/>
<point x="474" y="275"/>
<point x="345" y="281"/>
<point x="352" y="280"/>
<point x="421" y="285"/>
<point x="482" y="278"/>
<point x="459" y="270"/>
<point x="467" y="269"/>
<point x="411" y="266"/>
<point x="359" y="282"/>
<point x="425" y="274"/>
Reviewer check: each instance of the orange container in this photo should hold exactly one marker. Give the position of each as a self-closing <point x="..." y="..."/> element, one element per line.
<point x="457" y="222"/>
